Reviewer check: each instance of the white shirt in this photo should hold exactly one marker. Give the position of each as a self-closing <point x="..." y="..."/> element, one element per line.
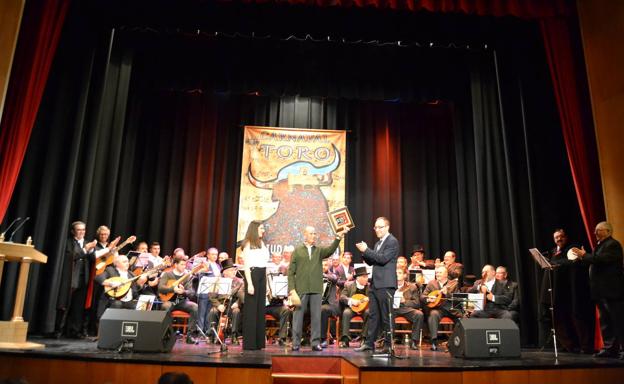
<point x="128" y="296"/>
<point x="381" y="241"/>
<point x="309" y="250"/>
<point x="256" y="258"/>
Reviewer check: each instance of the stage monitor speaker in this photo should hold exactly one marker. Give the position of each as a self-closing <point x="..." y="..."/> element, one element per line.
<point x="140" y="331"/>
<point x="485" y="338"/>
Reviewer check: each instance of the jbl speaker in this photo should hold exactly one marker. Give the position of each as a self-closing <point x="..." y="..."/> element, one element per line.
<point x="141" y="331"/>
<point x="484" y="338"/>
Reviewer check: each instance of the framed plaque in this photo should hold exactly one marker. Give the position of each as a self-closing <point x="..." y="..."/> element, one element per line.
<point x="340" y="218"/>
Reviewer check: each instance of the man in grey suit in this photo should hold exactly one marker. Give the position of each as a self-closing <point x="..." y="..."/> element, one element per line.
<point x="305" y="277"/>
<point x="383" y="258"/>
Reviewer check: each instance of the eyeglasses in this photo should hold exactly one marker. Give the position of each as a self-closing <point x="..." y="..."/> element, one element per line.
<point x="379" y="226"/>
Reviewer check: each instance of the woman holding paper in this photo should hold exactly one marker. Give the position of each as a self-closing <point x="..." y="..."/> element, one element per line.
<point x="255" y="258"/>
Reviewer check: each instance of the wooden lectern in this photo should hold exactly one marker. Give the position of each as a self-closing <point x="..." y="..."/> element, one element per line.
<point x="13" y="333"/>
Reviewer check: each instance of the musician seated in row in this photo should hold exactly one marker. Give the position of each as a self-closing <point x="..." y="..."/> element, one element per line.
<point x="435" y="295"/>
<point x="286" y="255"/>
<point x="344" y="271"/>
<point x="401" y="262"/>
<point x="203" y="302"/>
<point x="227" y="305"/>
<point x="329" y="301"/>
<point x="277" y="307"/>
<point x="497" y="296"/>
<point x="409" y="306"/>
<point x="418" y="259"/>
<point x="275" y="262"/>
<point x="175" y="291"/>
<point x="511" y="286"/>
<point x="354" y="305"/>
<point x="454" y="268"/>
<point x="116" y="276"/>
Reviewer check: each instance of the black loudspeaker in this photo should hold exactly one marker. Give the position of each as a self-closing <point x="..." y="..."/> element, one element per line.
<point x="485" y="338"/>
<point x="141" y="331"/>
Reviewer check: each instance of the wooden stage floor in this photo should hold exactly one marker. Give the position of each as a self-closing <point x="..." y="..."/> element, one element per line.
<point x="68" y="361"/>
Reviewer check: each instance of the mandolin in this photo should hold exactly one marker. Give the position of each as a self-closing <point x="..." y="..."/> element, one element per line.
<point x="174" y="283"/>
<point x="363" y="303"/>
<point x="123" y="285"/>
<point x="437" y="296"/>
<point x="107" y="259"/>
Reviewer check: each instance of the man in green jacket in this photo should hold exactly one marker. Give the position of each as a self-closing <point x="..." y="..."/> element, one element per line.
<point x="305" y="278"/>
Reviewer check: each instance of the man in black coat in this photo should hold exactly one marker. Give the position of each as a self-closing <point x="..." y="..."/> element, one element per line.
<point x="606" y="280"/>
<point x="74" y="281"/>
<point x="383" y="258"/>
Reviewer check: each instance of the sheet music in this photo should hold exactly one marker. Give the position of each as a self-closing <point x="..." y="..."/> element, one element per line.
<point x="145" y="302"/>
<point x="214" y="285"/>
<point x="540" y="259"/>
<point x="280" y="286"/>
<point x="428" y="274"/>
<point x="396" y="302"/>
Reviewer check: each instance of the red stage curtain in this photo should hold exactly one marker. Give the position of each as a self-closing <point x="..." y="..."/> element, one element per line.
<point x="518" y="8"/>
<point x="39" y="35"/>
<point x="568" y="82"/>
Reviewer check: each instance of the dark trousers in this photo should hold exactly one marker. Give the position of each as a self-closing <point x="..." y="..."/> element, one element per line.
<point x="234" y="318"/>
<point x="75" y="312"/>
<point x="611" y="320"/>
<point x="435" y="315"/>
<point x="378" y="320"/>
<point x="415" y="316"/>
<point x="283" y="314"/>
<point x="254" y="326"/>
<point x="345" y="323"/>
<point x="327" y="310"/>
<point x="204" y="307"/>
<point x="185" y="306"/>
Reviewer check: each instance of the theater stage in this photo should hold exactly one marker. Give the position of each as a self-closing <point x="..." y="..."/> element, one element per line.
<point x="79" y="361"/>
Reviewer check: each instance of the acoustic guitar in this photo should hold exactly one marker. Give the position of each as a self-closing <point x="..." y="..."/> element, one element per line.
<point x="107" y="259"/>
<point x="123" y="285"/>
<point x="174" y="283"/>
<point x="363" y="303"/>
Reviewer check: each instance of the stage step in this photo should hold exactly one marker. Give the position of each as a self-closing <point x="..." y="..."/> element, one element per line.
<point x="311" y="378"/>
<point x="306" y="370"/>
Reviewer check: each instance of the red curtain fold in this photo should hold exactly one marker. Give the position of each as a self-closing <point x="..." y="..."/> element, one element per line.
<point x="518" y="8"/>
<point x="568" y="78"/>
<point x="39" y="34"/>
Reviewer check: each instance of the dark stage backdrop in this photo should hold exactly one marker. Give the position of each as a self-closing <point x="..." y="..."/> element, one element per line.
<point x="461" y="149"/>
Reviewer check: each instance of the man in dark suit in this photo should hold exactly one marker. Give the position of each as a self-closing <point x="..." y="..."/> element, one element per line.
<point x="383" y="258"/>
<point x="606" y="280"/>
<point x="305" y="277"/>
<point x="512" y="288"/>
<point x="497" y="297"/>
<point x="74" y="281"/>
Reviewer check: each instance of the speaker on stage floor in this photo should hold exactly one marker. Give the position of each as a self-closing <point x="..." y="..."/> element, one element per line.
<point x="484" y="338"/>
<point x="140" y="331"/>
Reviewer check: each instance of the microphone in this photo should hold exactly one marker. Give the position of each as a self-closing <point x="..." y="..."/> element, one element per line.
<point x="9" y="227"/>
<point x="18" y="228"/>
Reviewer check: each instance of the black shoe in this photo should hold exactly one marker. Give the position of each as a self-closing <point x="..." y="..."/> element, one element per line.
<point x="343" y="344"/>
<point x="363" y="348"/>
<point x="324" y="344"/>
<point x="606" y="353"/>
<point x="317" y="348"/>
<point x="434" y="345"/>
<point x="294" y="349"/>
<point x="413" y="345"/>
<point x="191" y="340"/>
<point x="281" y="342"/>
<point x="235" y="340"/>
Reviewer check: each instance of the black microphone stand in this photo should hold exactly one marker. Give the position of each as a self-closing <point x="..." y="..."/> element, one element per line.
<point x="390" y="331"/>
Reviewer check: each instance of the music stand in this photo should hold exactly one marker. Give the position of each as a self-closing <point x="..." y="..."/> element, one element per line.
<point x="214" y="285"/>
<point x="546" y="265"/>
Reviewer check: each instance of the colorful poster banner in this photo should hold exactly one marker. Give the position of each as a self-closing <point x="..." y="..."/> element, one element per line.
<point x="291" y="178"/>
